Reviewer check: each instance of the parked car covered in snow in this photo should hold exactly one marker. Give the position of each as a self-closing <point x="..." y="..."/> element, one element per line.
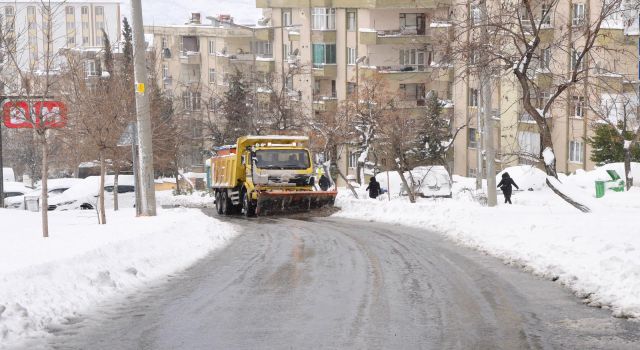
<point x="431" y="181"/>
<point x="55" y="187"/>
<point x="14" y="192"/>
<point x="84" y="194"/>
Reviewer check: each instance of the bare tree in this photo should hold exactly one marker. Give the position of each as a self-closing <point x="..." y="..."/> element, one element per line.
<point x="32" y="77"/>
<point x="101" y="112"/>
<point x="519" y="45"/>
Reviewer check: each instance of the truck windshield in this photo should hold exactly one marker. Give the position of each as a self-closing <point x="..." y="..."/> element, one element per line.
<point x="282" y="159"/>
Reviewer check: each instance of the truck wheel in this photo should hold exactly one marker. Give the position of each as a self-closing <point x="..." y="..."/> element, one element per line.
<point x="248" y="209"/>
<point x="227" y="206"/>
<point x="218" y="203"/>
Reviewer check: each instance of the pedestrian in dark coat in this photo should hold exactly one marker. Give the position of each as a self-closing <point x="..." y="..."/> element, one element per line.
<point x="373" y="188"/>
<point x="505" y="185"/>
<point x="324" y="182"/>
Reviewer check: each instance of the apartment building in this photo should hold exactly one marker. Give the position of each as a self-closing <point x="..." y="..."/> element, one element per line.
<point x="343" y="41"/>
<point x="610" y="88"/>
<point x="195" y="61"/>
<point x="36" y="26"/>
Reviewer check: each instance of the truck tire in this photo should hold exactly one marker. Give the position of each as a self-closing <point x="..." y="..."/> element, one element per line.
<point x="227" y="206"/>
<point x="248" y="209"/>
<point x="219" y="203"/>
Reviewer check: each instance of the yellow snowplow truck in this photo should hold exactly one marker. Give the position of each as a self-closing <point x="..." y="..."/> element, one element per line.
<point x="262" y="175"/>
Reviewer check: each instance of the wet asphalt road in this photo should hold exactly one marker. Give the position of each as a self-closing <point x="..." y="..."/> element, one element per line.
<point x="328" y="283"/>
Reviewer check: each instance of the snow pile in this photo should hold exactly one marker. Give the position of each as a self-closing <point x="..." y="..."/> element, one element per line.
<point x="526" y="176"/>
<point x="596" y="255"/>
<point x="44" y="282"/>
<point x="195" y="200"/>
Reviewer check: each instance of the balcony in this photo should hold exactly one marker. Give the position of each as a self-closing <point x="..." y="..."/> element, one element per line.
<point x="399" y="72"/>
<point x="323" y="36"/>
<point x="190" y="57"/>
<point x="265" y="65"/>
<point x="325" y="71"/>
<point x="395" y="37"/>
<point x="264" y="34"/>
<point x="325" y="103"/>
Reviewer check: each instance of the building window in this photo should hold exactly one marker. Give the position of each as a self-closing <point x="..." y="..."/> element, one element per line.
<point x="90" y="68"/>
<point x="351" y="55"/>
<point x="286" y="17"/>
<point x="475" y="15"/>
<point x="576" y="149"/>
<point x="472" y="172"/>
<point x="31" y="11"/>
<point x="575" y="55"/>
<point x="9" y="11"/>
<point x="70" y="10"/>
<point x="263" y="49"/>
<point x="546" y="14"/>
<point x="578" y="106"/>
<point x="529" y="143"/>
<point x="84" y="10"/>
<point x="212" y="47"/>
<point x="412" y="57"/>
<point x="351" y="88"/>
<point x="71" y="40"/>
<point x="99" y="11"/>
<point x="352" y="17"/>
<point x="543" y="99"/>
<point x="412" y="23"/>
<point x="473" y="97"/>
<point x="472" y="138"/>
<point x="165" y="71"/>
<point x="324" y="54"/>
<point x="286" y="51"/>
<point x="412" y="92"/>
<point x="212" y="75"/>
<point x="323" y="18"/>
<point x="353" y="159"/>
<point x="577" y="14"/>
<point x="191" y="101"/>
<point x="545" y="58"/>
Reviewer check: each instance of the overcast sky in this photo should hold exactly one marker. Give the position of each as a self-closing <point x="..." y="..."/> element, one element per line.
<point x="179" y="11"/>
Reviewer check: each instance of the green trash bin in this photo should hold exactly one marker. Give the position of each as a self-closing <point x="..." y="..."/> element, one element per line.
<point x="599" y="189"/>
<point x="616" y="184"/>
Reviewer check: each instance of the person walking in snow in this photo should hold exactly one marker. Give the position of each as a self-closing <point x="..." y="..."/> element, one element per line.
<point x="373" y="188"/>
<point x="505" y="185"/>
<point x="324" y="182"/>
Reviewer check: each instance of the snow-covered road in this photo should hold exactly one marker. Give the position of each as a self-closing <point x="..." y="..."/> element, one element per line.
<point x="345" y="284"/>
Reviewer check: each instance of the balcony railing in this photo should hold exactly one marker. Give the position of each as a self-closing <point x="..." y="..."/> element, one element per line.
<point x="189" y="57"/>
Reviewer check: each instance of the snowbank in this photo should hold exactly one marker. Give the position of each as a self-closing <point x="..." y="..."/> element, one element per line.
<point x="197" y="199"/>
<point x="596" y="255"/>
<point x="43" y="282"/>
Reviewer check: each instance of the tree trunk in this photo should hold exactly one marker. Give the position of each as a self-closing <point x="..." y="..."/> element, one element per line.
<point x="349" y="186"/>
<point x="102" y="216"/>
<point x="115" y="189"/>
<point x="412" y="197"/>
<point x="628" y="180"/>
<point x="177" y="175"/>
<point x="44" y="207"/>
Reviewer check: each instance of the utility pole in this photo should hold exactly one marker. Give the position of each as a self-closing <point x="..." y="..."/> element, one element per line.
<point x="485" y="81"/>
<point x="143" y="114"/>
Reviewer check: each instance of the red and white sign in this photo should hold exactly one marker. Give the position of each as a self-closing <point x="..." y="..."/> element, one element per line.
<point x="18" y="115"/>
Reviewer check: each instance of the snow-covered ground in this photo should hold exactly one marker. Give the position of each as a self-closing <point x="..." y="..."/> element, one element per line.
<point x="597" y="255"/>
<point x="197" y="199"/>
<point x="45" y="282"/>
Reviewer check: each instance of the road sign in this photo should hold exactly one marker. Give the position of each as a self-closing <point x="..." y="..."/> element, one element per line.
<point x="18" y="115"/>
<point x="140" y="88"/>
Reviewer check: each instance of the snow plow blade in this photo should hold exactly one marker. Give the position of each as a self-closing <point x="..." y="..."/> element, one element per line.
<point x="282" y="202"/>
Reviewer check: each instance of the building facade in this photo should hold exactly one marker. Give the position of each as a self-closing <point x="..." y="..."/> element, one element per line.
<point x="344" y="41"/>
<point x="37" y="30"/>
<point x="608" y="87"/>
<point x="194" y="62"/>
